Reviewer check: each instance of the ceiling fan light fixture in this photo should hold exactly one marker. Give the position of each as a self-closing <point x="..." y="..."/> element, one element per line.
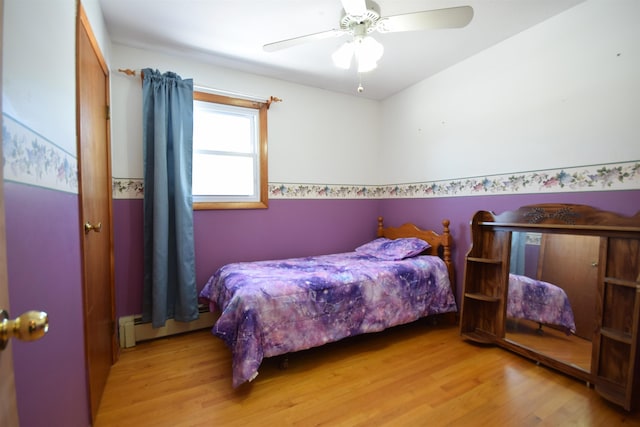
<point x="342" y="57"/>
<point x="366" y="50"/>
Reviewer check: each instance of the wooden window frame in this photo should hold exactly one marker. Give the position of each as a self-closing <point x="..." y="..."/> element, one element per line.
<point x="262" y="108"/>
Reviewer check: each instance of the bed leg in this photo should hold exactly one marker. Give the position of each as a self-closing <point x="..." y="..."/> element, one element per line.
<point x="443" y="319"/>
<point x="283" y="363"/>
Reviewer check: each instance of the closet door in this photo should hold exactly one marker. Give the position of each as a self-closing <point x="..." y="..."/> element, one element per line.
<point x="571" y="262"/>
<point x="94" y="174"/>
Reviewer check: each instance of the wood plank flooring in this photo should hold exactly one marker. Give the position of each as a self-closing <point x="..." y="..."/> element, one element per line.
<point x="551" y="342"/>
<point x="412" y="375"/>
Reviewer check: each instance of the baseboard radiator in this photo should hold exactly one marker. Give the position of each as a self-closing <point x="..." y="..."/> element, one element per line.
<point x="133" y="330"/>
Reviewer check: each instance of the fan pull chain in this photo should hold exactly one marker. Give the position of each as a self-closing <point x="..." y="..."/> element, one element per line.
<point x="360" y="88"/>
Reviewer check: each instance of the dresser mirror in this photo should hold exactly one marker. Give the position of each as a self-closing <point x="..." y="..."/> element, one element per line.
<point x="554" y="313"/>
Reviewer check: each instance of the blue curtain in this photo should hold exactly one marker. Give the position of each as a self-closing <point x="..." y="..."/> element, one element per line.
<point x="169" y="254"/>
<point x="518" y="243"/>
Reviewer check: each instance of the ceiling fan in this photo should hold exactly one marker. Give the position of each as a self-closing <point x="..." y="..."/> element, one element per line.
<point x="360" y="20"/>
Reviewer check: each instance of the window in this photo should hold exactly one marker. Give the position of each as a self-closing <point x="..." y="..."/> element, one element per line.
<point x="229" y="152"/>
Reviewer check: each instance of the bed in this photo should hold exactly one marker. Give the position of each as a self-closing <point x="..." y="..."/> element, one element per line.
<point x="541" y="302"/>
<point x="276" y="307"/>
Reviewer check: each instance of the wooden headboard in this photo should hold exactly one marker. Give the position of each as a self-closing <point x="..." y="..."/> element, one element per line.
<point x="440" y="243"/>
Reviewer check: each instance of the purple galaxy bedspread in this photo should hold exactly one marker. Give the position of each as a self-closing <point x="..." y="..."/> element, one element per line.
<point x="540" y="302"/>
<point x="270" y="308"/>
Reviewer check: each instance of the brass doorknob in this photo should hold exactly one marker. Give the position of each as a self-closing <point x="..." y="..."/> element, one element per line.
<point x="29" y="326"/>
<point x="89" y="227"/>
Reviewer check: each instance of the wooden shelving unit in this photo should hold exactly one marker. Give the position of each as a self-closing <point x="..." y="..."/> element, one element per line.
<point x="485" y="279"/>
<point x="615" y="353"/>
<point x="615" y="361"/>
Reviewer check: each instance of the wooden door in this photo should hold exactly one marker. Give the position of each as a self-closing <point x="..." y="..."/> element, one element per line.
<point x="94" y="167"/>
<point x="8" y="402"/>
<point x="571" y="262"/>
<point x="8" y="406"/>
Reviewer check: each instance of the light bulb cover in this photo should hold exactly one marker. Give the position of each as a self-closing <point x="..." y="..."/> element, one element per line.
<point x="342" y="57"/>
<point x="366" y="50"/>
<point x="370" y="49"/>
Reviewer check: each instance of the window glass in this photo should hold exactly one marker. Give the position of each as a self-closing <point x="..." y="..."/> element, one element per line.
<point x="229" y="153"/>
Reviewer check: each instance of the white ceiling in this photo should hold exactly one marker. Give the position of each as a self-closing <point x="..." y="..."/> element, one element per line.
<point x="231" y="33"/>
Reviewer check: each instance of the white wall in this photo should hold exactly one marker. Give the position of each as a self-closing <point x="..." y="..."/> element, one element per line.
<point x="39" y="78"/>
<point x="96" y="19"/>
<point x="563" y="93"/>
<point x="315" y="136"/>
<point x="39" y="65"/>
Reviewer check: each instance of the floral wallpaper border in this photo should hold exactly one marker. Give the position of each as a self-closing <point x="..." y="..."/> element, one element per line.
<point x="30" y="158"/>
<point x="618" y="176"/>
<point x="128" y="188"/>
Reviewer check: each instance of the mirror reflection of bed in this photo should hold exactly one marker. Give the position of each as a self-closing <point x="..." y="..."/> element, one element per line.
<point x="563" y="295"/>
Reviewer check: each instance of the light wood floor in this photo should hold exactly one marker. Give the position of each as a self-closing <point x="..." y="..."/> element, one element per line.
<point x="551" y="342"/>
<point x="413" y="375"/>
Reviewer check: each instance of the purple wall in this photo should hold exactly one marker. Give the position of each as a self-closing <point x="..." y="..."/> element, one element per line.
<point x="128" y="256"/>
<point x="44" y="266"/>
<point x="292" y="228"/>
<point x="288" y="228"/>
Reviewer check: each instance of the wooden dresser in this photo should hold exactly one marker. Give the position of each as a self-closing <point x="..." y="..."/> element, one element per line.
<point x="614" y="368"/>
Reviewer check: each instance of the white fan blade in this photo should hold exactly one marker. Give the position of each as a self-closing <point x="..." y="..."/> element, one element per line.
<point x="283" y="44"/>
<point x="453" y="17"/>
<point x="355" y="7"/>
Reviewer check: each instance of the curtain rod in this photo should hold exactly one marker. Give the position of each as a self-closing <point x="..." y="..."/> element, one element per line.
<point x="132" y="73"/>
